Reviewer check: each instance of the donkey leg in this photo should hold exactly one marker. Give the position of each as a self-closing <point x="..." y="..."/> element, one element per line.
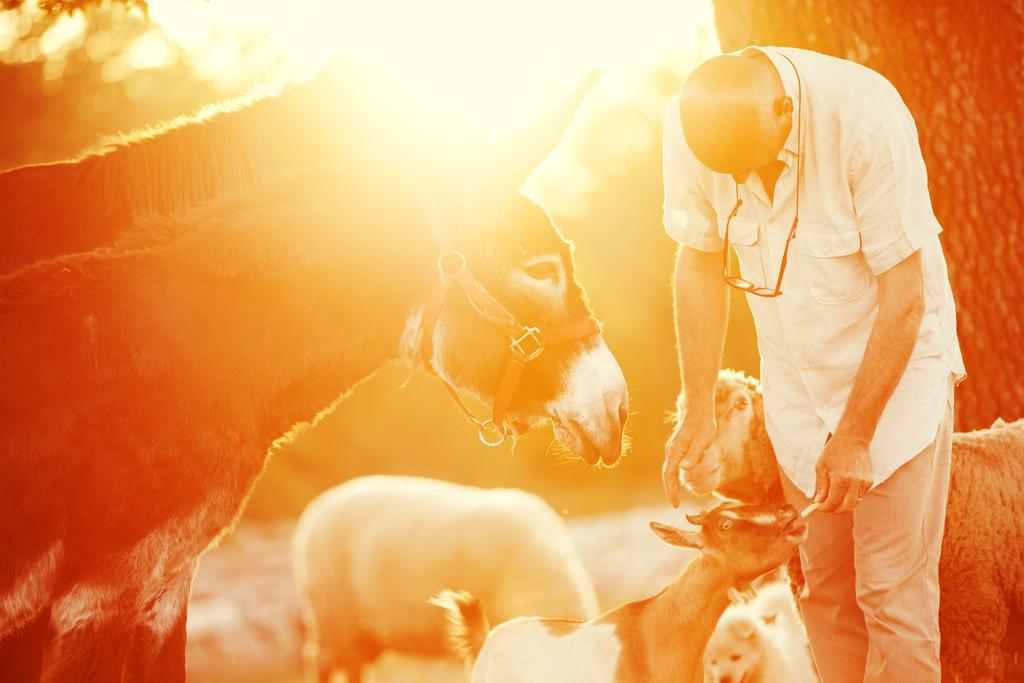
<point x="158" y="645"/>
<point x="21" y="652"/>
<point x="93" y="652"/>
<point x="157" y="657"/>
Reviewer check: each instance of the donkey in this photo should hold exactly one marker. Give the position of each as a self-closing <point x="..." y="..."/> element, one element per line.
<point x="141" y="387"/>
<point x="71" y="206"/>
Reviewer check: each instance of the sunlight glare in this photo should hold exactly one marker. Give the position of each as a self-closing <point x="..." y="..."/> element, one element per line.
<point x="497" y="62"/>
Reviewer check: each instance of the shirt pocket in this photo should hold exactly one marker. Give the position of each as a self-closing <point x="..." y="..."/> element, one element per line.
<point x="833" y="263"/>
<point x="743" y="237"/>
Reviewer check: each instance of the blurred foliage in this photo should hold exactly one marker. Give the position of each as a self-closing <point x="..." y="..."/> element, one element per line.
<point x="108" y="68"/>
<point x="55" y="7"/>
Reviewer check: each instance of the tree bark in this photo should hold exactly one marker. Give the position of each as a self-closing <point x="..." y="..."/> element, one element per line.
<point x="960" y="69"/>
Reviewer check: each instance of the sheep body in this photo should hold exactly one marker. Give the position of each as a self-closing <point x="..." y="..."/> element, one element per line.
<point x="981" y="568"/>
<point x="369" y="554"/>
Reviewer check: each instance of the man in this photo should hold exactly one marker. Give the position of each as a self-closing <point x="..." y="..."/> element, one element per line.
<point x="809" y="166"/>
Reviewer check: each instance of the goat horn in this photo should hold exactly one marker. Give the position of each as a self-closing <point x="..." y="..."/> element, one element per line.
<point x="697" y="519"/>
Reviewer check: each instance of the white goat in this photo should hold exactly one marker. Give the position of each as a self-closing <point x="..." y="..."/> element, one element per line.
<point x="369" y="554"/>
<point x="656" y="640"/>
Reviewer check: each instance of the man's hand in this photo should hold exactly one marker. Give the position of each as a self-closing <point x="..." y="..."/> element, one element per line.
<point x="686" y="447"/>
<point x="843" y="474"/>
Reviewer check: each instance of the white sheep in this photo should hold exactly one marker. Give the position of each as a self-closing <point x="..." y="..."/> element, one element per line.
<point x="369" y="554"/>
<point x="659" y="639"/>
<point x="761" y="641"/>
<point x="981" y="568"/>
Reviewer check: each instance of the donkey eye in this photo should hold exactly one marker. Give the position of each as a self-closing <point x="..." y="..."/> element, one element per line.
<point x="736" y="658"/>
<point x="726" y="524"/>
<point x="542" y="270"/>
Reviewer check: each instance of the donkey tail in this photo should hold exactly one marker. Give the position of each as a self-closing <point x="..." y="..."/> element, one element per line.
<point x="467" y="623"/>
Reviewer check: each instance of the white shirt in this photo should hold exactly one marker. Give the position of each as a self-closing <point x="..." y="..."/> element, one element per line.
<point x="864" y="207"/>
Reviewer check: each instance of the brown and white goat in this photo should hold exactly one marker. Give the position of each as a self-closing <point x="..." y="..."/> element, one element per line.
<point x="981" y="568"/>
<point x="660" y="639"/>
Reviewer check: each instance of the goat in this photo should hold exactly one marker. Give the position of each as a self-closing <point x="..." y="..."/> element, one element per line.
<point x="981" y="568"/>
<point x="660" y="639"/>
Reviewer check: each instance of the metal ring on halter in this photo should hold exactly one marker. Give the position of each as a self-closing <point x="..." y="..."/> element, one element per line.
<point x="488" y="427"/>
<point x="461" y="263"/>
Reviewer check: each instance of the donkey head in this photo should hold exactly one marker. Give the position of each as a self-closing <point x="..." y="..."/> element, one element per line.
<point x="513" y="249"/>
<point x="750" y="540"/>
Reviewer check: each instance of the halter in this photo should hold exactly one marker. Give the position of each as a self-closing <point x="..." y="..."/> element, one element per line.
<point x="525" y="343"/>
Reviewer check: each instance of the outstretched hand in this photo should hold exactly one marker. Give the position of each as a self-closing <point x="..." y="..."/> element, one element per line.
<point x="843" y="474"/>
<point x="686" y="448"/>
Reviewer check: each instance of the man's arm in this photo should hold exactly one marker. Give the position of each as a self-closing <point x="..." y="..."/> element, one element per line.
<point x="844" y="469"/>
<point x="702" y="311"/>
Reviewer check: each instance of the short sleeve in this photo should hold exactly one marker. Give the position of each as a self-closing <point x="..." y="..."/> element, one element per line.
<point x="688" y="216"/>
<point x="889" y="185"/>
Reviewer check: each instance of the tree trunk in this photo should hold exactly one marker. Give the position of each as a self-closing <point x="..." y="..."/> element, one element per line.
<point x="960" y="69"/>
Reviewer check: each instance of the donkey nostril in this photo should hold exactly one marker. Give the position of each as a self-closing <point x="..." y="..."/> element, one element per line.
<point x="623" y="415"/>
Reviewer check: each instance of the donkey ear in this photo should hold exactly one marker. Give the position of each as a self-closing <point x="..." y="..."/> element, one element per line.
<point x="524" y="150"/>
<point x="677" y="537"/>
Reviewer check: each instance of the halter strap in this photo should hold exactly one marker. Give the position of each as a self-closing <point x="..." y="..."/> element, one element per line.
<point x="525" y="343"/>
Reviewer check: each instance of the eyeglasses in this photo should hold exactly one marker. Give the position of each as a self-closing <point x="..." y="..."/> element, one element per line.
<point x="739" y="282"/>
<point x="746" y="285"/>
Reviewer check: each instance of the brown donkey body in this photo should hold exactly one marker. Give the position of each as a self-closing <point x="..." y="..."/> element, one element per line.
<point x="142" y="387"/>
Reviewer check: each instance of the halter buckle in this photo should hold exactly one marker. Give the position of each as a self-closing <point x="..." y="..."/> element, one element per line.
<point x="528" y="345"/>
<point x="491" y="435"/>
<point x="450" y="264"/>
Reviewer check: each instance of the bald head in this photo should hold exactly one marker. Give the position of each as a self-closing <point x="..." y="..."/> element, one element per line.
<point x="735" y="113"/>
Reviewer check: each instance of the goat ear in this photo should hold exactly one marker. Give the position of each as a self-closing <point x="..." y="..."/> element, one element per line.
<point x="697" y="519"/>
<point x="677" y="537"/>
<point x="524" y="150"/>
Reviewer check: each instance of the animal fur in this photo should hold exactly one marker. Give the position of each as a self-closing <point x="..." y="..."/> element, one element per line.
<point x="981" y="568"/>
<point x="761" y="641"/>
<point x="641" y="640"/>
<point x="370" y="554"/>
<point x="467" y="625"/>
<point x="144" y="379"/>
<point x="143" y="389"/>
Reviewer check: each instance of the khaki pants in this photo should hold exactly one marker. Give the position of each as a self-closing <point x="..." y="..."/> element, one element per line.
<point x="871" y="599"/>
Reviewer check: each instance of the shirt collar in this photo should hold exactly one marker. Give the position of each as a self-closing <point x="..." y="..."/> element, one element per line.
<point x="790" y="148"/>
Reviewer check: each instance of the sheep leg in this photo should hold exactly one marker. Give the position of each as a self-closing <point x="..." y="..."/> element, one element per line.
<point x="21" y="652"/>
<point x="973" y="627"/>
<point x="977" y="661"/>
<point x="318" y="666"/>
